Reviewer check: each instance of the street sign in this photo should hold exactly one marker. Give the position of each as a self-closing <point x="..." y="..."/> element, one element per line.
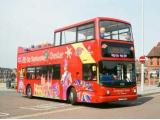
<point x="142" y="59"/>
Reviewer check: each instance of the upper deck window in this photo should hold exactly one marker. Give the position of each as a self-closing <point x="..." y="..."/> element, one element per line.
<point x="69" y="36"/>
<point x="57" y="38"/>
<point x="86" y="32"/>
<point x="115" y="30"/>
<point x="78" y="33"/>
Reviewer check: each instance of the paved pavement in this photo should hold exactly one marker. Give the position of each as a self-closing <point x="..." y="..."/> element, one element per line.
<point x="148" y="89"/>
<point x="152" y="89"/>
<point x="3" y="87"/>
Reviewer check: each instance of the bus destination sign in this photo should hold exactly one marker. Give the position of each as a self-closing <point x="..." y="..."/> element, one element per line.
<point x="117" y="51"/>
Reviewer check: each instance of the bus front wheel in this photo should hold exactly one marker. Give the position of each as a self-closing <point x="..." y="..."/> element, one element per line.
<point x="73" y="96"/>
<point x="29" y="91"/>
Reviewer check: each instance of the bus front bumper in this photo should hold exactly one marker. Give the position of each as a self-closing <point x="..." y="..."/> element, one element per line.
<point x="103" y="99"/>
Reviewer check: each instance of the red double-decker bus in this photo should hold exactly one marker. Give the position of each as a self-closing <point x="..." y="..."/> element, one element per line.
<point x="92" y="61"/>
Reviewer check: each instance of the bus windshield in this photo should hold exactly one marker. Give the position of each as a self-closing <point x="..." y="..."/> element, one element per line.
<point x="114" y="72"/>
<point x="115" y="30"/>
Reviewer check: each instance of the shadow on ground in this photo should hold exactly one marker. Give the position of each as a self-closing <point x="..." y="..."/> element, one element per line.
<point x="46" y="99"/>
<point x="118" y="104"/>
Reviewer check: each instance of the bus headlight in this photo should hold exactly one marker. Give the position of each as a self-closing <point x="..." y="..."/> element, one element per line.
<point x="134" y="90"/>
<point x="107" y="92"/>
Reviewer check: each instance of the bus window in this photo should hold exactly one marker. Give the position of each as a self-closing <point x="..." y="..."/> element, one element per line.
<point x="57" y="38"/>
<point x="86" y="32"/>
<point x="31" y="73"/>
<point x="48" y="72"/>
<point x="56" y="72"/>
<point x="24" y="72"/>
<point x="38" y="72"/>
<point x="89" y="71"/>
<point x="44" y="72"/>
<point x="115" y="30"/>
<point x="117" y="71"/>
<point x="69" y="36"/>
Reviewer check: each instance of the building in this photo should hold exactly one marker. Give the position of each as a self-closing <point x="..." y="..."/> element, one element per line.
<point x="7" y="73"/>
<point x="153" y="64"/>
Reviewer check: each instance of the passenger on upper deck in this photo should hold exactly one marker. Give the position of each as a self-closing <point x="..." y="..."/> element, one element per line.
<point x="102" y="32"/>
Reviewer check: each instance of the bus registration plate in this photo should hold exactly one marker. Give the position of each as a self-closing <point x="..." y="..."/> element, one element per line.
<point x="121" y="99"/>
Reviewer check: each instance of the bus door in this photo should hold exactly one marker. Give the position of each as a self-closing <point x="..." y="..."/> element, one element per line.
<point x="89" y="72"/>
<point x="88" y="83"/>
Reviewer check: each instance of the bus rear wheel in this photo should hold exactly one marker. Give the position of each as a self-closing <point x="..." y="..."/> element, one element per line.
<point x="73" y="96"/>
<point x="29" y="91"/>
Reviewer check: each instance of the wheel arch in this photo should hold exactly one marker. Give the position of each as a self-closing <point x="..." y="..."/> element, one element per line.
<point x="68" y="91"/>
<point x="27" y="87"/>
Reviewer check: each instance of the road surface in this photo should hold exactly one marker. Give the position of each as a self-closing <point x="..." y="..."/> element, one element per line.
<point x="13" y="105"/>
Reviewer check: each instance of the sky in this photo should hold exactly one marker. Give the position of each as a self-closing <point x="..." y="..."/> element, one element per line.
<point x="28" y="22"/>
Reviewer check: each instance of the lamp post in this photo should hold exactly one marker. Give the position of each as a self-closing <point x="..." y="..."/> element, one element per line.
<point x="142" y="60"/>
<point x="142" y="77"/>
<point x="142" y="63"/>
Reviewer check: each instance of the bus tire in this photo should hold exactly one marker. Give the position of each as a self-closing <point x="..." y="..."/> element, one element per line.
<point x="29" y="91"/>
<point x="73" y="96"/>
